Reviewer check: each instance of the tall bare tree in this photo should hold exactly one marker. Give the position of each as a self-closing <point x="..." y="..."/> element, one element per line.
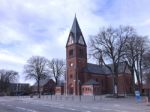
<point x="6" y="78"/>
<point x="135" y="48"/>
<point x="146" y="61"/>
<point x="146" y="69"/>
<point x="130" y="56"/>
<point x="57" y="68"/>
<point x="109" y="44"/>
<point x="36" y="68"/>
<point x="141" y="49"/>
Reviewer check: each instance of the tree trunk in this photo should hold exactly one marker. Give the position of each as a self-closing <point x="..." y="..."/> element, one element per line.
<point x="116" y="80"/>
<point x="148" y="95"/>
<point x="116" y="86"/>
<point x="138" y="79"/>
<point x="133" y="80"/>
<point x="141" y="75"/>
<point x="39" y="95"/>
<point x="56" y="81"/>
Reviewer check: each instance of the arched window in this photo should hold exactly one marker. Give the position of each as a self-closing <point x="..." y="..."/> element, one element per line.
<point x="81" y="53"/>
<point x="71" y="76"/>
<point x="71" y="53"/>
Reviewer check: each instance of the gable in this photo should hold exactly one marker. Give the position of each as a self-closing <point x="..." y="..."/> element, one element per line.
<point x="70" y="40"/>
<point x="81" y="40"/>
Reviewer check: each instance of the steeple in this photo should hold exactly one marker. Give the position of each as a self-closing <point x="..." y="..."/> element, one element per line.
<point x="75" y="35"/>
<point x="76" y="58"/>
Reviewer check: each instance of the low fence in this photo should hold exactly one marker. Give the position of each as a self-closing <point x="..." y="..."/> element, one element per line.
<point x="81" y="98"/>
<point x="69" y="97"/>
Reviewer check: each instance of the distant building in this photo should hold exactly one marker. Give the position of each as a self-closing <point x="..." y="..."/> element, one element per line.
<point x="86" y="78"/>
<point x="19" y="89"/>
<point x="47" y="86"/>
<point x="59" y="89"/>
<point x="91" y="87"/>
<point x="146" y="89"/>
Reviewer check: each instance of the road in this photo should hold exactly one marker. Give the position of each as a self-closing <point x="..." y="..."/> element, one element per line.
<point x="14" y="104"/>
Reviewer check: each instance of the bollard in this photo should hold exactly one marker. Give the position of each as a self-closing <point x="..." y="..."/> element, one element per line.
<point x="60" y="97"/>
<point x="72" y="97"/>
<point x="94" y="97"/>
<point x="51" y="96"/>
<point x="56" y="97"/>
<point x="80" y="97"/>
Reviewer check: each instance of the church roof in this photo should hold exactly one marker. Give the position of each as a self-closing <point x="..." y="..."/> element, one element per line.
<point x="103" y="70"/>
<point x="43" y="82"/>
<point x="60" y="84"/>
<point x="91" y="82"/>
<point x="93" y="68"/>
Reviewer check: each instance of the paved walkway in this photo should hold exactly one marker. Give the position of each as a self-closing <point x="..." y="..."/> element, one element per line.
<point x="86" y="104"/>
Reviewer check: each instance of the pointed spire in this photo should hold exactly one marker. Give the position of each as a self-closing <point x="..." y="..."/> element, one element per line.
<point x="75" y="35"/>
<point x="75" y="30"/>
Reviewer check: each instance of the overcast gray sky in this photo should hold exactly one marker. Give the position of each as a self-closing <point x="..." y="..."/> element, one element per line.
<point x="41" y="27"/>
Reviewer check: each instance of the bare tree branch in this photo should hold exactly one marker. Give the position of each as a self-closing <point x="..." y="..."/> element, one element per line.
<point x="57" y="68"/>
<point x="36" y="68"/>
<point x="6" y="78"/>
<point x="109" y="45"/>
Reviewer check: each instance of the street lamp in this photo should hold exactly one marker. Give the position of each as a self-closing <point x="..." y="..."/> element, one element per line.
<point x="74" y="91"/>
<point x="79" y="89"/>
<point x="66" y="82"/>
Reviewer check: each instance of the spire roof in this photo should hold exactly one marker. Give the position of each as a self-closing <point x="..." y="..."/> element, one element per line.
<point x="75" y="30"/>
<point x="75" y="35"/>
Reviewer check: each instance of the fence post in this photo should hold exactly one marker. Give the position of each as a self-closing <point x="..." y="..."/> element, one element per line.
<point x="94" y="97"/>
<point x="72" y="97"/>
<point x="80" y="97"/>
<point x="56" y="97"/>
<point x="51" y="96"/>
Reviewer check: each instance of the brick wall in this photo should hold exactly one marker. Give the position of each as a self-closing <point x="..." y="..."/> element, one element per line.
<point x="87" y="90"/>
<point x="59" y="90"/>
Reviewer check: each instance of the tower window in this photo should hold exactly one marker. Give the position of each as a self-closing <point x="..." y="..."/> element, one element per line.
<point x="81" y="53"/>
<point x="102" y="82"/>
<point x="71" y="53"/>
<point x="70" y="76"/>
<point x="96" y="79"/>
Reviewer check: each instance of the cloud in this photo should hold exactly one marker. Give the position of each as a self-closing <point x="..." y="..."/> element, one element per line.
<point x="38" y="27"/>
<point x="9" y="35"/>
<point x="9" y="57"/>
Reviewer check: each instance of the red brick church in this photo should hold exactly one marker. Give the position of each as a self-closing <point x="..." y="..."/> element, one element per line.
<point x="85" y="78"/>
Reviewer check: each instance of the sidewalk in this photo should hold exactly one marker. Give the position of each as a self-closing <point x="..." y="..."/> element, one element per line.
<point x="127" y="104"/>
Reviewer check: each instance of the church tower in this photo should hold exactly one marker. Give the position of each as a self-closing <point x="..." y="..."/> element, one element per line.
<point x="76" y="59"/>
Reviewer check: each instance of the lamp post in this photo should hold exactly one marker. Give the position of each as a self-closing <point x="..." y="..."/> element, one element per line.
<point x="75" y="83"/>
<point x="66" y="81"/>
<point x="17" y="90"/>
<point x="66" y="87"/>
<point x="79" y="92"/>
